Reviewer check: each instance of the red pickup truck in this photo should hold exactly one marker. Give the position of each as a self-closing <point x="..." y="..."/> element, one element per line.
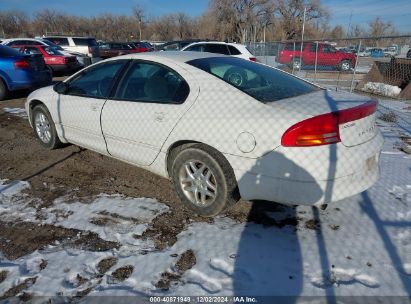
<point x="325" y="55"/>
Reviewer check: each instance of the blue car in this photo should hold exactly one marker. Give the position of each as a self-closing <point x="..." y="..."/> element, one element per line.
<point x="377" y="53"/>
<point x="20" y="71"/>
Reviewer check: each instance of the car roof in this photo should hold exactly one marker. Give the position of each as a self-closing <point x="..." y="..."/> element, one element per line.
<point x="177" y="56"/>
<point x="217" y="42"/>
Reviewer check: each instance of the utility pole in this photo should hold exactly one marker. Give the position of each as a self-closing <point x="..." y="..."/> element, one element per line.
<point x="302" y="36"/>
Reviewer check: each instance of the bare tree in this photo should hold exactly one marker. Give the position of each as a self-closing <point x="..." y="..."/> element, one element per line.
<point x="291" y="14"/>
<point x="138" y="13"/>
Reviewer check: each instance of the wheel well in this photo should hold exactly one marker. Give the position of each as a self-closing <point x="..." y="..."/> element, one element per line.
<point x="176" y="147"/>
<point x="32" y="104"/>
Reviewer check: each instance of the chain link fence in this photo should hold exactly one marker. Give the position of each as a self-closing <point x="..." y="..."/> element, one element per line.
<point x="378" y="65"/>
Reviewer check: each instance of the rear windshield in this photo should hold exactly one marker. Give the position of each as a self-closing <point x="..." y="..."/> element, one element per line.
<point x="85" y="41"/>
<point x="52" y="50"/>
<point x="6" y="51"/>
<point x="259" y="81"/>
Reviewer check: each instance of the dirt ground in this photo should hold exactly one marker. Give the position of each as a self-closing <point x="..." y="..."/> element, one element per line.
<point x="80" y="174"/>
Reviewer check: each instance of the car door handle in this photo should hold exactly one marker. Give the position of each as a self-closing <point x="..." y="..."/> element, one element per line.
<point x="159" y="116"/>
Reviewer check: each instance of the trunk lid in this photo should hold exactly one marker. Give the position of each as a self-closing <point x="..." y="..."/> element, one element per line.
<point x="355" y="114"/>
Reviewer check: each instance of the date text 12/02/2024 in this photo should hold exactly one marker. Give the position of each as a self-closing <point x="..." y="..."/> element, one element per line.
<point x="203" y="299"/>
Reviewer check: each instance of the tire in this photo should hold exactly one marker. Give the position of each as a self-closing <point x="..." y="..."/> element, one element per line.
<point x="204" y="180"/>
<point x="3" y="90"/>
<point x="44" y="128"/>
<point x="296" y="64"/>
<point x="345" y="66"/>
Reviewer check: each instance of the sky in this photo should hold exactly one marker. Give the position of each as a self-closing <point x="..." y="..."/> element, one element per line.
<point x="342" y="11"/>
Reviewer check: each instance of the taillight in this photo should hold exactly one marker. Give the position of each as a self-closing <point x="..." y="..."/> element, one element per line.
<point x="21" y="64"/>
<point x="90" y="50"/>
<point x="324" y="129"/>
<point x="253" y="59"/>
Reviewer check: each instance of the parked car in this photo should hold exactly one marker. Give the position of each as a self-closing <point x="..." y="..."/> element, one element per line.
<point x="219" y="127"/>
<point x="175" y="45"/>
<point x="39" y="41"/>
<point x="54" y="59"/>
<point x="232" y="49"/>
<point x="112" y="49"/>
<point x="377" y="53"/>
<point x="84" y="45"/>
<point x="19" y="71"/>
<point x="143" y="46"/>
<point x="390" y="52"/>
<point x="325" y="55"/>
<point x="365" y="52"/>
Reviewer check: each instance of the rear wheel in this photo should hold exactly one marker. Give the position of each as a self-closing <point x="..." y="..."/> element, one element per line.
<point x="3" y="90"/>
<point x="297" y="64"/>
<point x="345" y="65"/>
<point x="204" y="180"/>
<point x="44" y="127"/>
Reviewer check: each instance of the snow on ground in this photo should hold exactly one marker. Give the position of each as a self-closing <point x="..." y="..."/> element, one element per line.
<point x="382" y="89"/>
<point x="358" y="246"/>
<point x="16" y="111"/>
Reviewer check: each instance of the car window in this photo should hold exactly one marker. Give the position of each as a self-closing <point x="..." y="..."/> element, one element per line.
<point x="52" y="51"/>
<point x="95" y="81"/>
<point x="261" y="82"/>
<point x="216" y="48"/>
<point x="31" y="50"/>
<point x="105" y="46"/>
<point x="233" y="50"/>
<point x="196" y="48"/>
<point x="152" y="82"/>
<point x="314" y="47"/>
<point x="328" y="49"/>
<point x="172" y="47"/>
<point x="85" y="41"/>
<point x="59" y="40"/>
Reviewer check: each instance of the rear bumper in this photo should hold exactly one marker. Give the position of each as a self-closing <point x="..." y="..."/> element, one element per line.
<point x="30" y="79"/>
<point x="298" y="177"/>
<point x="64" y="67"/>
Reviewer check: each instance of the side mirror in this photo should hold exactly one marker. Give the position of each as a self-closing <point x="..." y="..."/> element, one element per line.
<point x="61" y="87"/>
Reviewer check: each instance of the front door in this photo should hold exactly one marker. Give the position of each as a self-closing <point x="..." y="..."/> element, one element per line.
<point x="79" y="109"/>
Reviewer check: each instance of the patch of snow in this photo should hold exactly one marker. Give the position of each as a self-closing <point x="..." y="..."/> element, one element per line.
<point x="12" y="188"/>
<point x="382" y="89"/>
<point x="16" y="111"/>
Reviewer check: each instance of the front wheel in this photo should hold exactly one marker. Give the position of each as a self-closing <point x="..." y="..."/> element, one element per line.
<point x="204" y="180"/>
<point x="44" y="128"/>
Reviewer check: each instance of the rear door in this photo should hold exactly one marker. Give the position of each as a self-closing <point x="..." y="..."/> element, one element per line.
<point x="149" y="101"/>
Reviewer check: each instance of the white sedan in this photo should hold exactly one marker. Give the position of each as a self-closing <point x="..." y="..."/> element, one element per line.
<point x="219" y="127"/>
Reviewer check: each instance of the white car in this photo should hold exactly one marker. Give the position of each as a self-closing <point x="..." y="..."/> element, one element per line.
<point x="219" y="127"/>
<point x="232" y="49"/>
<point x="84" y="45"/>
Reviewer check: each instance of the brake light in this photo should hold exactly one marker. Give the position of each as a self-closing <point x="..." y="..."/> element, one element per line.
<point x="21" y="64"/>
<point x="253" y="59"/>
<point x="324" y="129"/>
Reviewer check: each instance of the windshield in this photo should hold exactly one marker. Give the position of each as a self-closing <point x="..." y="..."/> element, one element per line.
<point x="259" y="81"/>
